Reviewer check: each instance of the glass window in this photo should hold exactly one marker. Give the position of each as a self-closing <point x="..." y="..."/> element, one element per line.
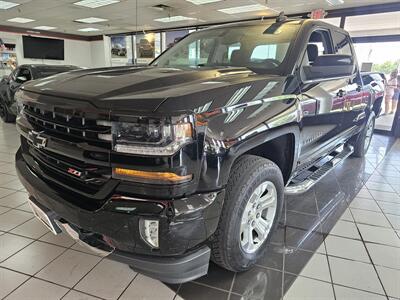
<point x="318" y="44"/>
<point x="254" y="46"/>
<point x="262" y="52"/>
<point x="231" y="48"/>
<point x="342" y="43"/>
<point x="24" y="73"/>
<point x="195" y="53"/>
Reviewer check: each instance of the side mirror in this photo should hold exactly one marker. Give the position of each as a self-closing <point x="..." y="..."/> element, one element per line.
<point x="330" y="66"/>
<point x="22" y="79"/>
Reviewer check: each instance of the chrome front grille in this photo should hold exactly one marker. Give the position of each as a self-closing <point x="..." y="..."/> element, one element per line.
<point x="75" y="128"/>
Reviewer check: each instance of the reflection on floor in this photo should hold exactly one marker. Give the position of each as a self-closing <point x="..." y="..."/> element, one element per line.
<point x="385" y="122"/>
<point x="338" y="241"/>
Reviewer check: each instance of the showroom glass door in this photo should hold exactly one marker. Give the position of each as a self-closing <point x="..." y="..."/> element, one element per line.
<point x="383" y="58"/>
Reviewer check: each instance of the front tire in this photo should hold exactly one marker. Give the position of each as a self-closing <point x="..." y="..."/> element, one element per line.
<point x="251" y="211"/>
<point x="363" y="139"/>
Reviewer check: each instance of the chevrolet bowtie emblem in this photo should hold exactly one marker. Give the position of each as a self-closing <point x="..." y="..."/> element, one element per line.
<point x="37" y="140"/>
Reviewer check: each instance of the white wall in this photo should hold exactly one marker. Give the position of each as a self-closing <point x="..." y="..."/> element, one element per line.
<point x="98" y="54"/>
<point x="78" y="53"/>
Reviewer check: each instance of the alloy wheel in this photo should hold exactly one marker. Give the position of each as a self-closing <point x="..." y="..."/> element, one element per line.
<point x="258" y="217"/>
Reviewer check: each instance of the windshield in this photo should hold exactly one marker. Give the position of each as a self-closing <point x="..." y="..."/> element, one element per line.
<point x="263" y="47"/>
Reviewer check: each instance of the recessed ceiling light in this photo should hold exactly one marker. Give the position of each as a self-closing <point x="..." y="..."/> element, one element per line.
<point x="7" y="5"/>
<point x="335" y="2"/>
<point x="20" y="20"/>
<point x="44" y="27"/>
<point x="200" y="2"/>
<point x="89" y="29"/>
<point x="173" y="19"/>
<point x="243" y="9"/>
<point x="91" y="20"/>
<point x="95" y="3"/>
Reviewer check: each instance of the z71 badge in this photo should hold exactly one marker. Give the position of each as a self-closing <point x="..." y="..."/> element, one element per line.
<point x="74" y="172"/>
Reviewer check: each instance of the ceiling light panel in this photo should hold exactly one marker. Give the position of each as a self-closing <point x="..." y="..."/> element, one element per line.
<point x="335" y="2"/>
<point x="44" y="27"/>
<point x="200" y="2"/>
<point x="174" y="19"/>
<point x="7" y="5"/>
<point x="20" y="20"/>
<point x="243" y="9"/>
<point x="96" y="3"/>
<point x="89" y="29"/>
<point x="91" y="20"/>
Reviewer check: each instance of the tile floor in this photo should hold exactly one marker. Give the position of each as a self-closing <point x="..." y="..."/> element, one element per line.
<point x="338" y="241"/>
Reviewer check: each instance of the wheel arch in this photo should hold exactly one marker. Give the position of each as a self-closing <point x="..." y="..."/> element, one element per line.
<point x="269" y="145"/>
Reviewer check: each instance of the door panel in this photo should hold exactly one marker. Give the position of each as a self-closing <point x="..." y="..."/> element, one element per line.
<point x="321" y="128"/>
<point x="322" y="102"/>
<point x="357" y="98"/>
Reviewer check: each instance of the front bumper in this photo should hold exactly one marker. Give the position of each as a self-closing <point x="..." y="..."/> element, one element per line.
<point x="185" y="226"/>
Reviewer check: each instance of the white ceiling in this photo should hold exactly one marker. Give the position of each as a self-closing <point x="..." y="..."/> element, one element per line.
<point x="122" y="16"/>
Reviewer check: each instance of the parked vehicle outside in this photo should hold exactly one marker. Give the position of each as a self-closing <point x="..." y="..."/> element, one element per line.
<point x="167" y="166"/>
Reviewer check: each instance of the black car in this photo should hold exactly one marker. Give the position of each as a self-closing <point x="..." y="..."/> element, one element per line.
<point x="166" y="166"/>
<point x="22" y="74"/>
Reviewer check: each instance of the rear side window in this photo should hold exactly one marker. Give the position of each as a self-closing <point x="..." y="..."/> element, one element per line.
<point x="377" y="77"/>
<point x="367" y="79"/>
<point x="342" y="43"/>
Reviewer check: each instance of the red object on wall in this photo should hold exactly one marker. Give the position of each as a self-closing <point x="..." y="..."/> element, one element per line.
<point x="318" y="14"/>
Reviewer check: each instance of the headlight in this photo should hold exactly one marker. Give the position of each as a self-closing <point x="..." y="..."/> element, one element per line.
<point x="149" y="136"/>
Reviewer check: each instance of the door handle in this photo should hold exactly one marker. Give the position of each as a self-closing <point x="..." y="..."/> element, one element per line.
<point x="359" y="88"/>
<point x="340" y="93"/>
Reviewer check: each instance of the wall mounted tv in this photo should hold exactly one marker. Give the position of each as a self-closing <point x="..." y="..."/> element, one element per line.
<point x="42" y="48"/>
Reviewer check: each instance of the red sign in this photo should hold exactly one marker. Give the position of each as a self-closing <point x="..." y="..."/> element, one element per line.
<point x="318" y="14"/>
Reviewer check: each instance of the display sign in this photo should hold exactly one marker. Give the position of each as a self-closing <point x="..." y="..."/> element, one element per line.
<point x="118" y="47"/>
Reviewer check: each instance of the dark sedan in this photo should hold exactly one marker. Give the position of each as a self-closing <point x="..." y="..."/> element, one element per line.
<point x="24" y="73"/>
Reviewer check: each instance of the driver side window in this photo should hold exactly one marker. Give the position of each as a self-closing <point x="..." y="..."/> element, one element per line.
<point x="319" y="43"/>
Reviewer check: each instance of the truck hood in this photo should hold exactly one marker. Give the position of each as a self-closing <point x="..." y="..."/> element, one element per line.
<point x="150" y="88"/>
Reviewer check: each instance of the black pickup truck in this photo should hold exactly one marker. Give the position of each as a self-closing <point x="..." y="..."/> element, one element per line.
<point x="167" y="166"/>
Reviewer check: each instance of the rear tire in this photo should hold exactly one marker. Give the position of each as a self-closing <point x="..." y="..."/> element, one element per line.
<point x="251" y="211"/>
<point x="363" y="139"/>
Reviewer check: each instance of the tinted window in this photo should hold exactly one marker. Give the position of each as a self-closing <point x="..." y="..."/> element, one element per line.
<point x="342" y="43"/>
<point x="318" y="44"/>
<point x="23" y="72"/>
<point x="243" y="46"/>
<point x="367" y="79"/>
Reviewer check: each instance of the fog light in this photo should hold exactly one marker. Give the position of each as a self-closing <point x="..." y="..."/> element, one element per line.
<point x="149" y="232"/>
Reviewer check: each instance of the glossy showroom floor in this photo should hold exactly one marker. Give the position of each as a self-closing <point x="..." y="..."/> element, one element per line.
<point x="338" y="241"/>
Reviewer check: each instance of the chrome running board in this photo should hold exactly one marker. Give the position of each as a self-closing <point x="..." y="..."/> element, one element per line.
<point x="306" y="179"/>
